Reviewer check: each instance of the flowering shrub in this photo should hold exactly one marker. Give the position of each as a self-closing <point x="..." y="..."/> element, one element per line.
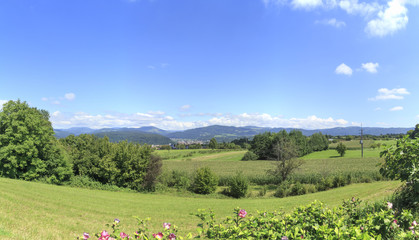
<point x="314" y="221"/>
<point x="169" y="232"/>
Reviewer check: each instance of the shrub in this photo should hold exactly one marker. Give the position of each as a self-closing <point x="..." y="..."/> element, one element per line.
<point x="205" y="181"/>
<point x="176" y="179"/>
<point x="249" y="156"/>
<point x="283" y="190"/>
<point x="238" y="186"/>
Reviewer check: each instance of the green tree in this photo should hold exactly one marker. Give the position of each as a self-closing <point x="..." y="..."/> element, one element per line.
<point x="286" y="159"/>
<point x="205" y="181"/>
<point x="318" y="142"/>
<point x="213" y="143"/>
<point x="414" y="133"/>
<point x="341" y="149"/>
<point x="402" y="163"/>
<point x="28" y="148"/>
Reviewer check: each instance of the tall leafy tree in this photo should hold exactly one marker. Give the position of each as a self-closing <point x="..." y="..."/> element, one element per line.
<point x="414" y="133"/>
<point x="213" y="143"/>
<point x="28" y="148"/>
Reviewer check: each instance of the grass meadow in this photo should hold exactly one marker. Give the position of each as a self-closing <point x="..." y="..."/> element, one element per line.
<point x="31" y="210"/>
<point x="228" y="163"/>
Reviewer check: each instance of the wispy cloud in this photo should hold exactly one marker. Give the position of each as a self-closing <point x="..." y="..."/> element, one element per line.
<point x="398" y="108"/>
<point x="57" y="100"/>
<point x="370" y="67"/>
<point x="70" y="96"/>
<point x="185" y="107"/>
<point x="381" y="19"/>
<point x="306" y="4"/>
<point x="331" y="22"/>
<point x="343" y="69"/>
<point x="390" y="94"/>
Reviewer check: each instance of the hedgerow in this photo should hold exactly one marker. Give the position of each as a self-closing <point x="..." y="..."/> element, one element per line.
<point x="314" y="221"/>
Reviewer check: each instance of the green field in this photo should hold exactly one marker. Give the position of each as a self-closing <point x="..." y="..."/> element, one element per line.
<point x="31" y="210"/>
<point x="228" y="162"/>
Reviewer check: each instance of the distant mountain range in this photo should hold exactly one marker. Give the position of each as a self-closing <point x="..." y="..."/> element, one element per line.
<point x="153" y="135"/>
<point x="149" y="135"/>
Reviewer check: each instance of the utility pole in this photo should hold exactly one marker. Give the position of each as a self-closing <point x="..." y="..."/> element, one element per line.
<point x="362" y="143"/>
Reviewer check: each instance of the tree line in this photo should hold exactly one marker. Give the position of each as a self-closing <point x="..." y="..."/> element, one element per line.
<point x="30" y="151"/>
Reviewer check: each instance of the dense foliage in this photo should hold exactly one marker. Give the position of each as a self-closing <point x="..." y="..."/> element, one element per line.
<point x="402" y="163"/>
<point x="205" y="181"/>
<point x="314" y="221"/>
<point x="122" y="164"/>
<point x="28" y="148"/>
<point x="414" y="133"/>
<point x="237" y="186"/>
<point x="263" y="144"/>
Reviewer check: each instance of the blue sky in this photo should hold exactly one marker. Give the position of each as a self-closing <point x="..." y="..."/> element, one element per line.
<point x="191" y="63"/>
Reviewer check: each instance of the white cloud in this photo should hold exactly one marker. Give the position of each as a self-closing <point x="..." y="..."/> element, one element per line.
<point x="364" y="9"/>
<point x="306" y="4"/>
<point x="389" y="21"/>
<point x="377" y="109"/>
<point x="185" y="107"/>
<point x="266" y="120"/>
<point x="2" y="102"/>
<point x="343" y="69"/>
<point x="44" y="99"/>
<point x="370" y="67"/>
<point x="70" y="96"/>
<point x="398" y="108"/>
<point x="387" y="94"/>
<point x="381" y="19"/>
<point x="332" y="22"/>
<point x="63" y="120"/>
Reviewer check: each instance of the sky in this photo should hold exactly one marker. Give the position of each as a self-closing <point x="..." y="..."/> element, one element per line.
<point x="177" y="65"/>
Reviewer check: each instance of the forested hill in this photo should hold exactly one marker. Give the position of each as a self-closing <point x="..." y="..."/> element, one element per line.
<point x="227" y="133"/>
<point x="153" y="135"/>
<point x="138" y="135"/>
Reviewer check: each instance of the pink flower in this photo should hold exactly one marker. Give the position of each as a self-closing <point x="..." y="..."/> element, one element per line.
<point x="242" y="213"/>
<point x="414" y="223"/>
<point x="104" y="235"/>
<point x="172" y="236"/>
<point x="389" y="205"/>
<point x="158" y="235"/>
<point x="167" y="226"/>
<point x="86" y="236"/>
<point x="116" y="220"/>
<point x="123" y="235"/>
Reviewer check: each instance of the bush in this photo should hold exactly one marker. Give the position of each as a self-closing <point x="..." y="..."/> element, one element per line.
<point x="176" y="179"/>
<point x="249" y="156"/>
<point x="238" y="186"/>
<point x="283" y="190"/>
<point x="205" y="181"/>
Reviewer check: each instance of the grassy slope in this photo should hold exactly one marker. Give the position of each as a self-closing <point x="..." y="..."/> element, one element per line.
<point x="38" y="211"/>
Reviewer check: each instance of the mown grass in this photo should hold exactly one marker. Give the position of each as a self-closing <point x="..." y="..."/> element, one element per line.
<point x="228" y="163"/>
<point x="31" y="210"/>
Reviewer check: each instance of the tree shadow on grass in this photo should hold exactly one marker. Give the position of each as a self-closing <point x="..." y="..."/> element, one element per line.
<point x="334" y="156"/>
